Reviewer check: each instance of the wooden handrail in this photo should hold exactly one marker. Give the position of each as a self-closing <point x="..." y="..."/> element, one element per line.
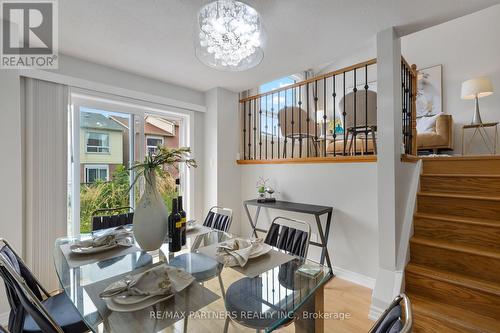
<point x="413" y="67"/>
<point x="316" y="78"/>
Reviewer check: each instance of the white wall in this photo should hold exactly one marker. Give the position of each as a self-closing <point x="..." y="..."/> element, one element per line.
<point x="222" y="175"/>
<point x="351" y="188"/>
<point x="467" y="47"/>
<point x="11" y="209"/>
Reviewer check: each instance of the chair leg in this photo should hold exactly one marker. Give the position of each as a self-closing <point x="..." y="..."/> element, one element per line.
<point x="350" y="145"/>
<point x="226" y="324"/>
<point x="223" y="292"/>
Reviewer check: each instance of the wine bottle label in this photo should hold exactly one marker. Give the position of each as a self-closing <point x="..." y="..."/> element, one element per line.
<point x="178" y="224"/>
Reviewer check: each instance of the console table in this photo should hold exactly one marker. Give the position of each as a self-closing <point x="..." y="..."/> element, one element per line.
<point x="480" y="129"/>
<point x="315" y="210"/>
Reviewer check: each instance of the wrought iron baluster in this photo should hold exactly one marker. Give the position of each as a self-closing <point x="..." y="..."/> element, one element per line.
<point x="300" y="121"/>
<point x="344" y="114"/>
<point x="366" y="111"/>
<point x="355" y="132"/>
<point x="334" y="96"/>
<point x="403" y="103"/>
<point x="315" y="141"/>
<point x="410" y="112"/>
<point x="255" y="129"/>
<point x="244" y="130"/>
<point x="324" y="117"/>
<point x="266" y="127"/>
<point x="285" y="141"/>
<point x="408" y="118"/>
<point x="307" y="119"/>
<point x="260" y="128"/>
<point x="277" y="127"/>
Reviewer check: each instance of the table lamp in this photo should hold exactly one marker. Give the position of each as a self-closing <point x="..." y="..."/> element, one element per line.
<point x="475" y="89"/>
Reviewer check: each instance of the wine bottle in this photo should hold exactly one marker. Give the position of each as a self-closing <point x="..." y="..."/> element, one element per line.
<point x="182" y="213"/>
<point x="175" y="226"/>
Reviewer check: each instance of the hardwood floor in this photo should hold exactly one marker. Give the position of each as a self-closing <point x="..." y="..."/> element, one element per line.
<point x="341" y="296"/>
<point x="453" y="277"/>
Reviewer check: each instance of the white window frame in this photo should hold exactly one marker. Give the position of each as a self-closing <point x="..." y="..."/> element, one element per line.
<point x="138" y="109"/>
<point x="95" y="166"/>
<point x="270" y="132"/>
<point x="154" y="137"/>
<point x="87" y="135"/>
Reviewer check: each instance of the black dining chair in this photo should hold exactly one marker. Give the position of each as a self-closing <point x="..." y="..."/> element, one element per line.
<point x="219" y="218"/>
<point x="33" y="309"/>
<point x="100" y="222"/>
<point x="245" y="295"/>
<point x="392" y="320"/>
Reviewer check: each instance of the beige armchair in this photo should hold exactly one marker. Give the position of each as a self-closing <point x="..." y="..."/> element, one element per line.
<point x="440" y="139"/>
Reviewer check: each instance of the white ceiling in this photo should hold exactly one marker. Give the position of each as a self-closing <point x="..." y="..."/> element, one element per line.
<point x="154" y="38"/>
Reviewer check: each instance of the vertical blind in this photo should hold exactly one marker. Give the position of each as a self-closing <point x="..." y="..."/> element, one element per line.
<point x="45" y="106"/>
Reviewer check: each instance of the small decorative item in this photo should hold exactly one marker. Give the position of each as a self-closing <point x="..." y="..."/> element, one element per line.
<point x="262" y="189"/>
<point x="270" y="192"/>
<point x="151" y="215"/>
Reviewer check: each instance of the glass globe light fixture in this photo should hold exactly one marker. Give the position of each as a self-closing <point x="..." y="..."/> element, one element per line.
<point x="229" y="36"/>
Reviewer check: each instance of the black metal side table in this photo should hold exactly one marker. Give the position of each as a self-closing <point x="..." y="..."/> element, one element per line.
<point x="315" y="210"/>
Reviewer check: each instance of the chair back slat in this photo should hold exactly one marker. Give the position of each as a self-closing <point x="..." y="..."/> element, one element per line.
<point x="289" y="235"/>
<point x="100" y="222"/>
<point x="219" y="218"/>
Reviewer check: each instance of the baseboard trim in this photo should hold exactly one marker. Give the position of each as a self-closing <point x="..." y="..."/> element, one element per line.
<point x="354" y="277"/>
<point x="4" y="319"/>
<point x="375" y="312"/>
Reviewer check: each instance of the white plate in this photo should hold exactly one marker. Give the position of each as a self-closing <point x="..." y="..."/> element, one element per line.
<point x="261" y="250"/>
<point x="130" y="300"/>
<point x="89" y="250"/>
<point x="147" y="302"/>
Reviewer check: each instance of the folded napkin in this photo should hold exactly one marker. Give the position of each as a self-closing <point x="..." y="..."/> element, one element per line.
<point x="237" y="251"/>
<point x="118" y="235"/>
<point x="151" y="282"/>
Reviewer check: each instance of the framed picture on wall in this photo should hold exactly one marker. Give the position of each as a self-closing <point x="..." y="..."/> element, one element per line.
<point x="429" y="91"/>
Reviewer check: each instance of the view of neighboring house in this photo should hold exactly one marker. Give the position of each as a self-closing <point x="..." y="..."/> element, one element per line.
<point x="104" y="141"/>
<point x="157" y="131"/>
<point x="101" y="147"/>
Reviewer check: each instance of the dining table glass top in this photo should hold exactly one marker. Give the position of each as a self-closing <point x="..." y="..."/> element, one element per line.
<point x="266" y="292"/>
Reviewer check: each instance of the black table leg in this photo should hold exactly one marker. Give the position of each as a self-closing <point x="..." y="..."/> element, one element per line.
<point x="253" y="222"/>
<point x="324" y="239"/>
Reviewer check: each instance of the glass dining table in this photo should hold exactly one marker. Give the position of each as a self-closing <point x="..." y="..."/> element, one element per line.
<point x="285" y="294"/>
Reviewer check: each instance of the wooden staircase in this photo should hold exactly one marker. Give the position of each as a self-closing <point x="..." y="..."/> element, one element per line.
<point x="453" y="278"/>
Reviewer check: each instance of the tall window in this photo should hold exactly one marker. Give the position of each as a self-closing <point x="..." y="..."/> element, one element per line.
<point x="271" y="105"/>
<point x="107" y="137"/>
<point x="152" y="144"/>
<point x="97" y="142"/>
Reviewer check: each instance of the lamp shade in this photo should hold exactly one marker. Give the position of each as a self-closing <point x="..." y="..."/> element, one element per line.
<point x="478" y="87"/>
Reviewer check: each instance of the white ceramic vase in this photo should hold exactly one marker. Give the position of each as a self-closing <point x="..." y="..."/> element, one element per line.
<point x="150" y="216"/>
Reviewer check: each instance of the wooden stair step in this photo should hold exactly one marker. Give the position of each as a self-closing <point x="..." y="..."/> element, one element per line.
<point x="471" y="294"/>
<point x="470" y="232"/>
<point x="489" y="165"/>
<point x="432" y="316"/>
<point x="473" y="206"/>
<point x="481" y="184"/>
<point x="455" y="258"/>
